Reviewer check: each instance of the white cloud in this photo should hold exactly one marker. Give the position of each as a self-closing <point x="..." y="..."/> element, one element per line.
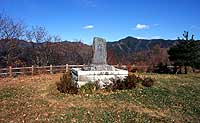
<point x="88" y="27"/>
<point x="142" y="26"/>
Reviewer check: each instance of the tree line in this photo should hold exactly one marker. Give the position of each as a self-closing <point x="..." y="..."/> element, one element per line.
<point x="12" y="54"/>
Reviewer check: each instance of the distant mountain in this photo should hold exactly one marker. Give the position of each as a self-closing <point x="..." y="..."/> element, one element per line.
<point x="130" y="44"/>
<point x="129" y="50"/>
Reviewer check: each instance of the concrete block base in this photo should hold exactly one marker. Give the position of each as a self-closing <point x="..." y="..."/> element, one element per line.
<point x="81" y="77"/>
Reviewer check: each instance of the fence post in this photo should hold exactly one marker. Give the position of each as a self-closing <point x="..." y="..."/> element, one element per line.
<point x="51" y="69"/>
<point x="32" y="70"/>
<point x="66" y="68"/>
<point x="23" y="70"/>
<point x="10" y="71"/>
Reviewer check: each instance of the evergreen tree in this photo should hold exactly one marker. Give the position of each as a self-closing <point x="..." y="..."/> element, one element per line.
<point x="185" y="53"/>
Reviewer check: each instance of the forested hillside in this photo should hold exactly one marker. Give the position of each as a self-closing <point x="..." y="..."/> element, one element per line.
<point x="125" y="51"/>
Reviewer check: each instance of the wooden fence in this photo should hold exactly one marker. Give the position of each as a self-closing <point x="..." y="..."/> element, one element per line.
<point x="34" y="70"/>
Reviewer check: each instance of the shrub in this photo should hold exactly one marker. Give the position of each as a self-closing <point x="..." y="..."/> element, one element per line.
<point x="133" y="77"/>
<point x="148" y="82"/>
<point x="128" y="83"/>
<point x="66" y="85"/>
<point x="118" y="85"/>
<point x="162" y="68"/>
<point x="88" y="88"/>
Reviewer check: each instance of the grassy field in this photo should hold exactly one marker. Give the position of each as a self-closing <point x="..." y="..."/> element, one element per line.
<point x="173" y="98"/>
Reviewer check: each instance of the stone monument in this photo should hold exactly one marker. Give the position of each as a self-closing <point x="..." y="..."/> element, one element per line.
<point x="99" y="51"/>
<point x="98" y="70"/>
<point x="99" y="60"/>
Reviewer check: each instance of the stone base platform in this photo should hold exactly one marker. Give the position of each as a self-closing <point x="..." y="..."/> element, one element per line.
<point x="81" y="76"/>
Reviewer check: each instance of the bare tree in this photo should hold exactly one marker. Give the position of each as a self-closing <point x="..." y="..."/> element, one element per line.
<point x="46" y="50"/>
<point x="37" y="35"/>
<point x="41" y="51"/>
<point x="49" y="50"/>
<point x="56" y="38"/>
<point x="10" y="31"/>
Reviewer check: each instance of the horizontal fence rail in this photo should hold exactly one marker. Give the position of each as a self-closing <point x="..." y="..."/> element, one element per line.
<point x="33" y="70"/>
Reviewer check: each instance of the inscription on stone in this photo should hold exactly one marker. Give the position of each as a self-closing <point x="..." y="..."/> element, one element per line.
<point x="99" y="51"/>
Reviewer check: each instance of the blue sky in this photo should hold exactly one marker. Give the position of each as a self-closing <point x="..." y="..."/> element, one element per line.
<point x="110" y="19"/>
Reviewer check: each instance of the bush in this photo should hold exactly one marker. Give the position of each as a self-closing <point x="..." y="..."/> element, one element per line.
<point x="66" y="85"/>
<point x="133" y="77"/>
<point x="118" y="85"/>
<point x="162" y="68"/>
<point x="88" y="88"/>
<point x="128" y="83"/>
<point x="148" y="82"/>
